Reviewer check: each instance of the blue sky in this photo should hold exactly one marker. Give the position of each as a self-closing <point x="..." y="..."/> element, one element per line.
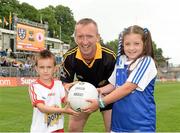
<point x="161" y="17"/>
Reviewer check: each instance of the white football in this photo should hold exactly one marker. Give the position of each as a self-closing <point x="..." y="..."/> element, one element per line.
<point x="79" y="93"/>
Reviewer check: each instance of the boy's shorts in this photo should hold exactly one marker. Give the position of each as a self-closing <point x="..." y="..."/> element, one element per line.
<point x="108" y="107"/>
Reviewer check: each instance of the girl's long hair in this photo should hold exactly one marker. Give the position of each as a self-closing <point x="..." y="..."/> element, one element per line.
<point x="146" y="38"/>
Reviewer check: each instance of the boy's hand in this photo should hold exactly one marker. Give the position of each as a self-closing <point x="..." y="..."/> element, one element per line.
<point x="68" y="86"/>
<point x="69" y="110"/>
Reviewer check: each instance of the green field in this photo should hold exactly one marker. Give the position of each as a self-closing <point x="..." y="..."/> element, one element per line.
<point x="16" y="110"/>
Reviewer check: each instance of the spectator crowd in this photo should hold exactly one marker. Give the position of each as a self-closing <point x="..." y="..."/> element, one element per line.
<point x="12" y="65"/>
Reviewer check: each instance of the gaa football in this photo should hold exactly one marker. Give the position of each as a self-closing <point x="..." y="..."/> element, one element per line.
<point x="79" y="93"/>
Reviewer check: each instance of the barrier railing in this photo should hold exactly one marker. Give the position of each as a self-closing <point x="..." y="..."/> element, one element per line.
<point x="16" y="72"/>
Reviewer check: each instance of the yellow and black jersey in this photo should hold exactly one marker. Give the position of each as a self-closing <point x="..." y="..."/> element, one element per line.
<point x="96" y="73"/>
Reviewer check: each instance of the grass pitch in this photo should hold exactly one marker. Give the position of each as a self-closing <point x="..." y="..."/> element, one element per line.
<point x="16" y="110"/>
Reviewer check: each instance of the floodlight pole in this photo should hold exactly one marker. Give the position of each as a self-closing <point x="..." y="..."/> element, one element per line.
<point x="60" y="32"/>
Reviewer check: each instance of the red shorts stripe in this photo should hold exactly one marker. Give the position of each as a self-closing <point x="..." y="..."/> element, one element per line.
<point x="59" y="131"/>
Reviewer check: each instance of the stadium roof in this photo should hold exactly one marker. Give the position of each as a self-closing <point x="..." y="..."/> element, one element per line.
<point x="7" y="31"/>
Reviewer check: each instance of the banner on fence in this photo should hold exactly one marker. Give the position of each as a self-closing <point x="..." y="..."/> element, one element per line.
<point x="13" y="81"/>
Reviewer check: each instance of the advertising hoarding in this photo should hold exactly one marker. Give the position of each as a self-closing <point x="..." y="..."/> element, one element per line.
<point x="30" y="38"/>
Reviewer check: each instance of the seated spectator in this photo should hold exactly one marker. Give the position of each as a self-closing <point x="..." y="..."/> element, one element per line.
<point x="22" y="70"/>
<point x="13" y="55"/>
<point x="9" y="51"/>
<point x="4" y="61"/>
<point x="3" y="53"/>
<point x="14" y="63"/>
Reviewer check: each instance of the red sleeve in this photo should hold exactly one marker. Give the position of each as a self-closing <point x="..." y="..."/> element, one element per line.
<point x="63" y="100"/>
<point x="37" y="101"/>
<point x="33" y="96"/>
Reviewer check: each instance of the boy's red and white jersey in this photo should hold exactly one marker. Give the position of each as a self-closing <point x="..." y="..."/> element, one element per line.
<point x="52" y="95"/>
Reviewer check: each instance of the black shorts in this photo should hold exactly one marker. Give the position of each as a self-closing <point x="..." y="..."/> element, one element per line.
<point x="108" y="107"/>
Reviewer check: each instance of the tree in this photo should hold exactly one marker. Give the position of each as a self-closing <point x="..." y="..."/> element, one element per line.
<point x="48" y="15"/>
<point x="66" y="22"/>
<point x="7" y="7"/>
<point x="61" y="22"/>
<point x="28" y="12"/>
<point x="60" y="19"/>
<point x="158" y="53"/>
<point x="113" y="45"/>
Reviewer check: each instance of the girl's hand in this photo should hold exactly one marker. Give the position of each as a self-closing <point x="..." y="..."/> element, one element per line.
<point x="92" y="107"/>
<point x="99" y="90"/>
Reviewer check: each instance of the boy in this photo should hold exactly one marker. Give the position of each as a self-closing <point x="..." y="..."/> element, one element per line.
<point x="47" y="95"/>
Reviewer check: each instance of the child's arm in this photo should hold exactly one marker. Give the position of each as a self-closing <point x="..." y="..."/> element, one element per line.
<point x="52" y="109"/>
<point x="120" y="92"/>
<point x="115" y="95"/>
<point x="106" y="89"/>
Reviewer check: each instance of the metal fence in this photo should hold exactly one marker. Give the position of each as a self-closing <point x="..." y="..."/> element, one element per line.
<point x="170" y="74"/>
<point x="16" y="72"/>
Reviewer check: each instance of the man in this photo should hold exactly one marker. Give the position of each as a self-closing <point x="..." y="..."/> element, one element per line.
<point x="90" y="62"/>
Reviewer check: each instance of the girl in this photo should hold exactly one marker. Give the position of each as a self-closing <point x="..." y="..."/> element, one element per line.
<point x="133" y="79"/>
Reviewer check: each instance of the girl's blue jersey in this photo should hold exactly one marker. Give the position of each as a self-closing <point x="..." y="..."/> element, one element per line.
<point x="136" y="111"/>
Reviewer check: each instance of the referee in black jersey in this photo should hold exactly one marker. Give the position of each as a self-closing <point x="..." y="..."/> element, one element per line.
<point x="91" y="62"/>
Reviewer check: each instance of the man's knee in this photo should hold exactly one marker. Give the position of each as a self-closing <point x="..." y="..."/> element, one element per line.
<point x="107" y="119"/>
<point x="76" y="124"/>
<point x="75" y="128"/>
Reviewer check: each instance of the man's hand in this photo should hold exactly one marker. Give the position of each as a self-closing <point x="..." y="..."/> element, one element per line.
<point x="92" y="107"/>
